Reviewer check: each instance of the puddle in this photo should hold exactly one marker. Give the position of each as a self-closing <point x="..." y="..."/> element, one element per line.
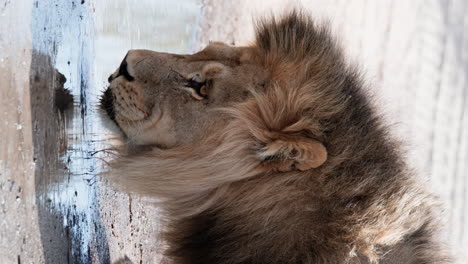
<point x="76" y="45"/>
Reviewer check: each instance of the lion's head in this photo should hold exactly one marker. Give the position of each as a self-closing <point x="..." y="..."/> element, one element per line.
<point x="170" y="100"/>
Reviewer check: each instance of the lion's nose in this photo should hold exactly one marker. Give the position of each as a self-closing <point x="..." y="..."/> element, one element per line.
<point x="126" y="68"/>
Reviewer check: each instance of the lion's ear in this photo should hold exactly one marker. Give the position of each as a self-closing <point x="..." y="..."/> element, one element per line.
<point x="289" y="154"/>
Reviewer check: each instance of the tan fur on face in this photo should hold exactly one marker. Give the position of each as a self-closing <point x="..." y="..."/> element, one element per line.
<point x="128" y="103"/>
<point x="291" y="164"/>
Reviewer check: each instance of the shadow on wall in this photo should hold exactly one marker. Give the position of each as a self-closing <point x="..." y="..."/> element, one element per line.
<point x="59" y="222"/>
<point x="69" y="221"/>
<point x="48" y="141"/>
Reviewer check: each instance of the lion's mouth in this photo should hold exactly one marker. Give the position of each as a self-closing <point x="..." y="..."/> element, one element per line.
<point x="107" y="104"/>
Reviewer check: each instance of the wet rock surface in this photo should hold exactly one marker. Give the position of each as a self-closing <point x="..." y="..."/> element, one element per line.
<point x="63" y="142"/>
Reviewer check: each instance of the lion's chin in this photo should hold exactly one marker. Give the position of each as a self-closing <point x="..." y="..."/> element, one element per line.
<point x="108" y="115"/>
<point x="107" y="104"/>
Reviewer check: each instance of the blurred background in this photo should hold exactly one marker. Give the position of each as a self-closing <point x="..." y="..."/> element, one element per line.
<point x="56" y="55"/>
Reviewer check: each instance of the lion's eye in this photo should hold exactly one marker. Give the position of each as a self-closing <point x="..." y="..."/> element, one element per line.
<point x="197" y="86"/>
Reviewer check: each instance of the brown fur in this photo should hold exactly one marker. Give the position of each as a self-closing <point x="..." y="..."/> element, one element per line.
<point x="299" y="170"/>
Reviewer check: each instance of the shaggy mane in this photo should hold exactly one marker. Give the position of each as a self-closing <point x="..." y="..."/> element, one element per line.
<point x="296" y="36"/>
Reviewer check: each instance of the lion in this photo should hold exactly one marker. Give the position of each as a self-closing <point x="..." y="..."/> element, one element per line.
<point x="269" y="153"/>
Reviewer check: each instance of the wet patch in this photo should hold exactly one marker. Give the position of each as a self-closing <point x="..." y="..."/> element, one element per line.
<point x="62" y="107"/>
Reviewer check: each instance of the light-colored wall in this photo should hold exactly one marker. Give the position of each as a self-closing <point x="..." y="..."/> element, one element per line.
<point x="19" y="232"/>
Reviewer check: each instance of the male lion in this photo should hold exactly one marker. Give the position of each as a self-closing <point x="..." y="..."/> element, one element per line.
<point x="269" y="153"/>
